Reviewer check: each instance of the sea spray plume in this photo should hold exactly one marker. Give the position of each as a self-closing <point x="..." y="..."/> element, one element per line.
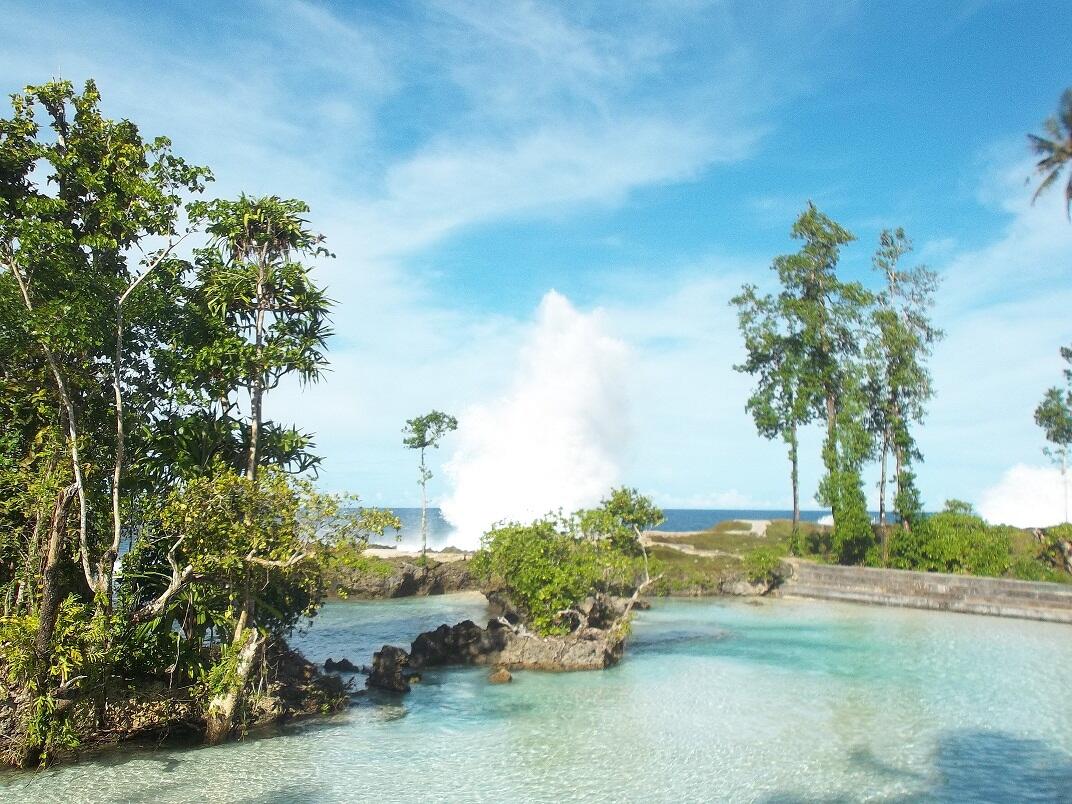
<point x="555" y="439"/>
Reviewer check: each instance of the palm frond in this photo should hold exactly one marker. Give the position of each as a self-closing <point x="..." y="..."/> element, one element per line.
<point x="1045" y="184"/>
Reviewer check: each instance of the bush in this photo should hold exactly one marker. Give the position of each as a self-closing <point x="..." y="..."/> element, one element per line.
<point x="545" y="568"/>
<point x="554" y="563"/>
<point x="762" y="565"/>
<point x="956" y="541"/>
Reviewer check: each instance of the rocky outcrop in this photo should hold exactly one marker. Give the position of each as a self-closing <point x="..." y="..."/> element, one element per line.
<point x="500" y="675"/>
<point x="742" y="587"/>
<point x="505" y="646"/>
<point x="389" y="670"/>
<point x="389" y="578"/>
<point x="341" y="666"/>
<point x="151" y="711"/>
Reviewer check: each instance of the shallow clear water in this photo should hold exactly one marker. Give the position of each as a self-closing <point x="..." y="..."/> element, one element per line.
<point x="782" y="700"/>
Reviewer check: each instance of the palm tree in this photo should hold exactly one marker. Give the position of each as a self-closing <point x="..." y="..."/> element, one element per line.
<point x="1056" y="150"/>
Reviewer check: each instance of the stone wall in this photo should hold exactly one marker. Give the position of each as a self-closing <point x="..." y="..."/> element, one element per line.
<point x="930" y="590"/>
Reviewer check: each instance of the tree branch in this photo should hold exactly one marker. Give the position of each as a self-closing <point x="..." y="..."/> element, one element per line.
<point x="179" y="578"/>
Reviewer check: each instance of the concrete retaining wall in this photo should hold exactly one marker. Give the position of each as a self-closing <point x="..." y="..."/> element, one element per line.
<point x="930" y="590"/>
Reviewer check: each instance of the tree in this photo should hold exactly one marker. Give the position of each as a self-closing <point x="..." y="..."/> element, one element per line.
<point x="120" y="373"/>
<point x="253" y="552"/>
<point x="783" y="399"/>
<point x="548" y="568"/>
<point x="1054" y="416"/>
<point x="78" y="193"/>
<point x="826" y="314"/>
<point x="272" y="316"/>
<point x="1055" y="150"/>
<point x="421" y="433"/>
<point x="622" y="519"/>
<point x="898" y="384"/>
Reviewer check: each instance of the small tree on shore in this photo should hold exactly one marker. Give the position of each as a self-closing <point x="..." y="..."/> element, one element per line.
<point x="422" y="433"/>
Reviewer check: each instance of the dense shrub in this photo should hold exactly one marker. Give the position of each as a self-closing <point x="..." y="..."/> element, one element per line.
<point x="554" y="563"/>
<point x="955" y="540"/>
<point x="762" y="564"/>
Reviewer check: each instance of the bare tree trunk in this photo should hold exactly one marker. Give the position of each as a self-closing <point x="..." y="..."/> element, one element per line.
<point x="72" y="433"/>
<point x="256" y="390"/>
<point x="1064" y="478"/>
<point x="882" y="481"/>
<point x="50" y="591"/>
<point x="222" y="707"/>
<point x="794" y="460"/>
<point x="424" y="509"/>
<point x="108" y="561"/>
<point x="899" y="467"/>
<point x="831" y="445"/>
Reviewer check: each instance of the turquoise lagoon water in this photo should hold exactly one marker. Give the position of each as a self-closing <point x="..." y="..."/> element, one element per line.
<point x="781" y="700"/>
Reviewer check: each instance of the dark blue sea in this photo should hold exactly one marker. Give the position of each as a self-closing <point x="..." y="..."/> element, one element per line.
<point x="677" y="520"/>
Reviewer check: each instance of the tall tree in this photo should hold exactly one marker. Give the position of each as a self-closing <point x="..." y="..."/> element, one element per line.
<point x="827" y="313"/>
<point x="274" y="318"/>
<point x="422" y="433"/>
<point x="1054" y="416"/>
<point x="79" y="193"/>
<point x="783" y="399"/>
<point x="899" y="383"/>
<point x="1055" y="149"/>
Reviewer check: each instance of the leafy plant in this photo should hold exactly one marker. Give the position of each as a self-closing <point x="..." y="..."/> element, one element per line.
<point x="551" y="565"/>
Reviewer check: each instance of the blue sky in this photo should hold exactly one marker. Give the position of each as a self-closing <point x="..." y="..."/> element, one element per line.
<point x="643" y="159"/>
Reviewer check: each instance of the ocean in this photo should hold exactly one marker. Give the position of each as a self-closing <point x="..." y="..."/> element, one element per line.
<point x="677" y="520"/>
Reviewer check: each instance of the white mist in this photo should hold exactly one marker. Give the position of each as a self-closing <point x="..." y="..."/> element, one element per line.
<point x="557" y="436"/>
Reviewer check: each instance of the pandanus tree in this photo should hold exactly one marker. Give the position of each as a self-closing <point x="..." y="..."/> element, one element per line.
<point x="422" y="433"/>
<point x="1055" y="150"/>
<point x="272" y="319"/>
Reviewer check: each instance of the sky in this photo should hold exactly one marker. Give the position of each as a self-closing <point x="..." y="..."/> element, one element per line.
<point x="640" y="160"/>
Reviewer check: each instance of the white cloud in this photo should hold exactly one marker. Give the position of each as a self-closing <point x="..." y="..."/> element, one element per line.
<point x="1027" y="497"/>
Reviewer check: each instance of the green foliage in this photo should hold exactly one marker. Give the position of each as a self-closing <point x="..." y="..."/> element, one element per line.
<point x="762" y="564"/>
<point x="426" y="431"/>
<point x="78" y="652"/>
<point x="261" y="544"/>
<point x="1054" y="416"/>
<point x="898" y="383"/>
<point x="956" y="541"/>
<point x="114" y="369"/>
<point x="620" y="519"/>
<point x="551" y="565"/>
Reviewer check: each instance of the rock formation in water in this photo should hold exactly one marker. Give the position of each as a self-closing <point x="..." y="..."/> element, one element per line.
<point x="402" y="578"/>
<point x="341" y="666"/>
<point x="596" y="641"/>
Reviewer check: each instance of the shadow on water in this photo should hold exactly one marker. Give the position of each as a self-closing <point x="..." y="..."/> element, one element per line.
<point x="976" y="766"/>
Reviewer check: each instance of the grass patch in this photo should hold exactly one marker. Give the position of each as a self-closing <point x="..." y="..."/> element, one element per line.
<point x="751" y="556"/>
<point x="734" y="537"/>
<point x="686" y="574"/>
